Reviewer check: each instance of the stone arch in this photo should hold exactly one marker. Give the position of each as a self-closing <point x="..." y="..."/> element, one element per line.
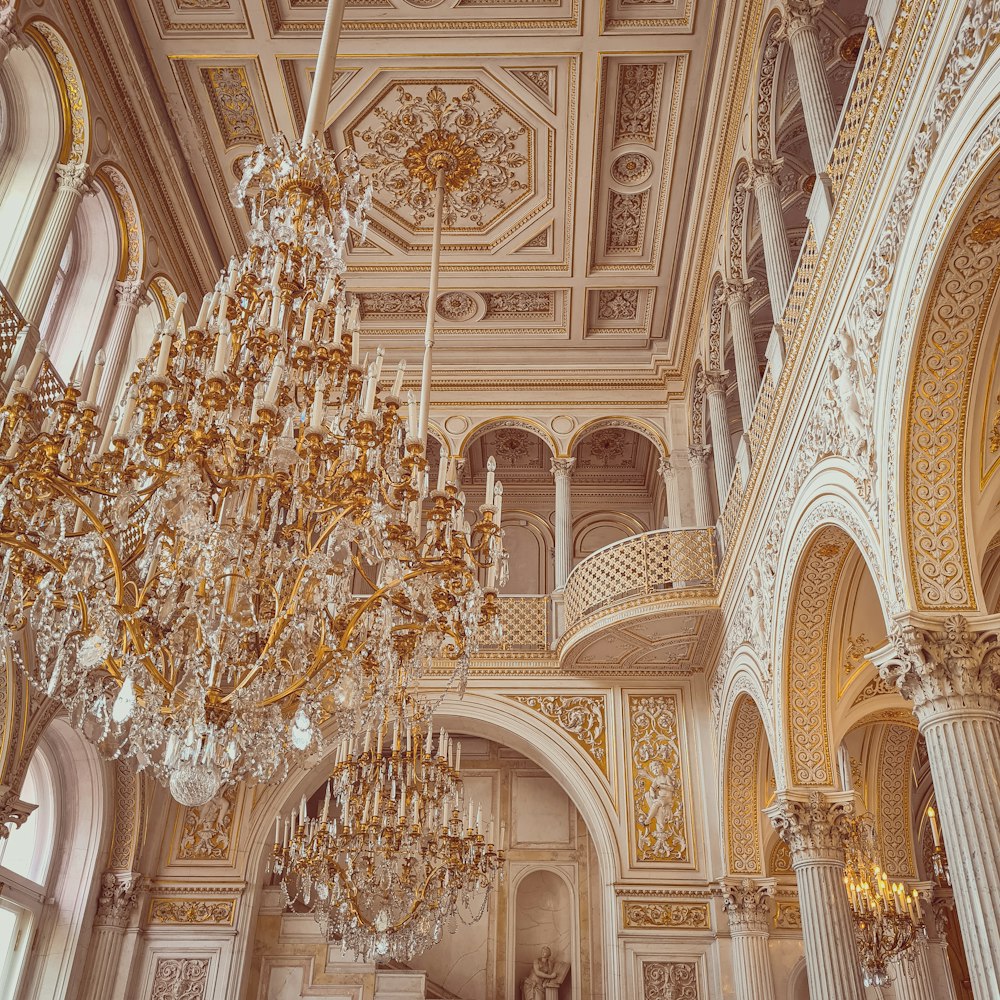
<point x="745" y="752"/>
<point x="164" y="292"/>
<point x="634" y="424"/>
<point x="765" y="116"/>
<point x="132" y="257"/>
<point x="69" y="83"/>
<point x="822" y="541"/>
<point x="738" y="224"/>
<point x="517" y="423"/>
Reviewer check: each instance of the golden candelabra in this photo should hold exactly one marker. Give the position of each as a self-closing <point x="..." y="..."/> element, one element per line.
<point x="395" y="855"/>
<point x="887" y="916"/>
<point x="939" y="857"/>
<point x="250" y="554"/>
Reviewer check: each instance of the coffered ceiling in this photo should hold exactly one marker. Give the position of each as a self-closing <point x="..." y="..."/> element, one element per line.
<point x="583" y="127"/>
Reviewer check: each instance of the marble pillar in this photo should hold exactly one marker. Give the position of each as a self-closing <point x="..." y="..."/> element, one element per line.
<point x="950" y="671"/>
<point x="562" y="471"/>
<point x="745" y="353"/>
<point x="777" y="254"/>
<point x="119" y="893"/>
<point x="115" y="341"/>
<point x="72" y="180"/>
<point x="698" y="457"/>
<point x="813" y="825"/>
<point x="746" y="905"/>
<point x="911" y="976"/>
<point x="722" y="443"/>
<point x="814" y="86"/>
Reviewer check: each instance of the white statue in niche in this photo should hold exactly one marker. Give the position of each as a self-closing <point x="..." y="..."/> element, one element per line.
<point x="659" y="803"/>
<point x="545" y="978"/>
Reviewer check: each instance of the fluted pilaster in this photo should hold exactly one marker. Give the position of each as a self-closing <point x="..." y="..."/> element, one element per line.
<point x="115" y="342"/>
<point x="722" y="443"/>
<point x="119" y="893"/>
<point x="951" y="673"/>
<point x="814" y="85"/>
<point x="562" y="472"/>
<point x="745" y="353"/>
<point x="746" y="905"/>
<point x="777" y="254"/>
<point x="71" y="183"/>
<point x="698" y="457"/>
<point x="813" y="826"/>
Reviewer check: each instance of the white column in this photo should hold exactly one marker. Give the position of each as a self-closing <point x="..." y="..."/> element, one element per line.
<point x="562" y="470"/>
<point x="673" y="515"/>
<point x="119" y="892"/>
<point x="911" y="976"/>
<point x="8" y="29"/>
<point x="72" y="179"/>
<point x="128" y="298"/>
<point x="746" y="905"/>
<point x="814" y="86"/>
<point x="812" y="825"/>
<point x="951" y="673"/>
<point x="698" y="457"/>
<point x="777" y="255"/>
<point x="747" y="373"/>
<point x="722" y="443"/>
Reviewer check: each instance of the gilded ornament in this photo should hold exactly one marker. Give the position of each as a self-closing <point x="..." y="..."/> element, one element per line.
<point x="581" y="717"/>
<point x="192" y="911"/>
<point x="666" y="914"/>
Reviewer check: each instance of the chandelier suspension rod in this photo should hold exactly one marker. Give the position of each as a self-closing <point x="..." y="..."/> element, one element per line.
<point x="432" y="296"/>
<point x="319" y="100"/>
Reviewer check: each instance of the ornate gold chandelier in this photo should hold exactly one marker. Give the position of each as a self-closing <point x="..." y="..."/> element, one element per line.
<point x="395" y="855"/>
<point x="248" y="556"/>
<point x="887" y="917"/>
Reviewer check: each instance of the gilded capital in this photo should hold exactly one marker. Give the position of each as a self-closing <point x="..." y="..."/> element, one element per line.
<point x="813" y="825"/>
<point x="952" y="667"/>
<point x="746" y="902"/>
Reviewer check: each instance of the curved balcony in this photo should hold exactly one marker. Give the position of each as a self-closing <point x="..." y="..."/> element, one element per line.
<point x="641" y="602"/>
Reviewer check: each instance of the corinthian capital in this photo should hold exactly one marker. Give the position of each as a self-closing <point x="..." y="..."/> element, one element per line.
<point x="119" y="892"/>
<point x="943" y="668"/>
<point x="13" y="810"/>
<point x="73" y="177"/>
<point x="814" y="825"/>
<point x="698" y="453"/>
<point x="129" y="293"/>
<point x="562" y="468"/>
<point x="715" y="381"/>
<point x="798" y="15"/>
<point x="764" y="171"/>
<point x="746" y="903"/>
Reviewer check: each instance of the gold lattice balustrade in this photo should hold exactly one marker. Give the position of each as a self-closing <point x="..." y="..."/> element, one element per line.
<point x="524" y="623"/>
<point x="647" y="565"/>
<point x="16" y="336"/>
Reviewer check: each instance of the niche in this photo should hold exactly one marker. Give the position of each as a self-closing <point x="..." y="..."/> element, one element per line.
<point x="544" y="918"/>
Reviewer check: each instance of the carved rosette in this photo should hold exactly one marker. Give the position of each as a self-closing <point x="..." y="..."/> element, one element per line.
<point x="944" y="670"/>
<point x="119" y="892"/>
<point x="746" y="902"/>
<point x="815" y="826"/>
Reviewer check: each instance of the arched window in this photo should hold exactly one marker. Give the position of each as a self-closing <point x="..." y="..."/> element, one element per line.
<point x="25" y="864"/>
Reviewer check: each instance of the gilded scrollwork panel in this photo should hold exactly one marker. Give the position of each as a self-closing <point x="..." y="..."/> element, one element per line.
<point x="582" y="717"/>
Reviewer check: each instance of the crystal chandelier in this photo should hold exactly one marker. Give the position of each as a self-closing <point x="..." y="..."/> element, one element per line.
<point x="243" y="561"/>
<point x="395" y="854"/>
<point x="887" y="917"/>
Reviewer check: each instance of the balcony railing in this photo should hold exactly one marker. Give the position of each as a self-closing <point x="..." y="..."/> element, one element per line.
<point x="642" y="566"/>
<point x="18" y="341"/>
<point x="525" y="625"/>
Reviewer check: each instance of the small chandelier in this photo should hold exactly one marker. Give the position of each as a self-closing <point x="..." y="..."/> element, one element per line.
<point x="887" y="917"/>
<point x="250" y="554"/>
<point x="396" y="854"/>
<point x="939" y="857"/>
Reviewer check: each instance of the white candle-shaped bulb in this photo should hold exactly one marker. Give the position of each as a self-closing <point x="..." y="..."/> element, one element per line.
<point x="279" y="263"/>
<point x="177" y="319"/>
<point x="411" y="416"/>
<point x="203" y="312"/>
<point x="397" y="385"/>
<point x="35" y="366"/>
<point x="491" y="477"/>
<point x="338" y="325"/>
<point x="231" y="278"/>
<point x="935" y="830"/>
<point x="19" y="377"/>
<point x="442" y="470"/>
<point x="95" y="378"/>
<point x="498" y="502"/>
<point x="328" y="287"/>
<point x="222" y="348"/>
<point x="307" y="324"/>
<point x="166" y="343"/>
<point x="458" y="756"/>
<point x="275" y="378"/>
<point x="355" y="341"/>
<point x="354" y="321"/>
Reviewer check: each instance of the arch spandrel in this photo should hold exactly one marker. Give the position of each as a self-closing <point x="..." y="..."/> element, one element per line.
<point x="641" y="427"/>
<point x="132" y="260"/>
<point x="500" y="423"/>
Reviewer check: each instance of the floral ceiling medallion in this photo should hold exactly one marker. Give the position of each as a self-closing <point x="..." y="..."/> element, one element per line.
<point x="485" y="149"/>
